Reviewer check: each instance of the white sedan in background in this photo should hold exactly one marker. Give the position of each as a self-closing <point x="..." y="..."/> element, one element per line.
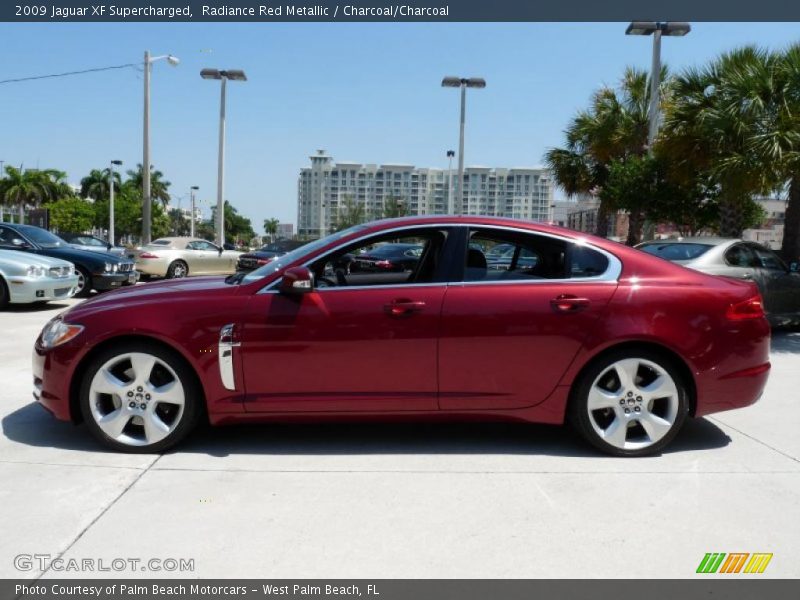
<point x="27" y="278"/>
<point x="176" y="257"/>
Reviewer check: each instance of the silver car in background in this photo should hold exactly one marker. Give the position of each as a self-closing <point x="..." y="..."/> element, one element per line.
<point x="27" y="278"/>
<point x="779" y="285"/>
<point x="176" y="257"/>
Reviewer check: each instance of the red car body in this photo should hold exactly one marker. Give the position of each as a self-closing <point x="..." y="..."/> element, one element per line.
<point x="470" y="351"/>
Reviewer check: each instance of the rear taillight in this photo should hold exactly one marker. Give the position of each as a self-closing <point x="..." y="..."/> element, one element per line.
<point x="264" y="261"/>
<point x="147" y="255"/>
<point x="384" y="264"/>
<point x="752" y="308"/>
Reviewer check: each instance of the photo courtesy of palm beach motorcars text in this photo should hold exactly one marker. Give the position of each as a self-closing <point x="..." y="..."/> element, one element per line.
<point x="376" y="299"/>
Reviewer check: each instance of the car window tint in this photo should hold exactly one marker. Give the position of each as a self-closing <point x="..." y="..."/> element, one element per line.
<point x="739" y="255"/>
<point x="497" y="255"/>
<point x="383" y="260"/>
<point x="767" y="259"/>
<point x="587" y="262"/>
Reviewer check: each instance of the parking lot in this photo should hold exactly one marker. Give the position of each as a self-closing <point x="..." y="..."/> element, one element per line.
<point x="410" y="501"/>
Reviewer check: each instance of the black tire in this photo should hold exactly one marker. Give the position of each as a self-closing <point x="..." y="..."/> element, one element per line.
<point x="4" y="297"/>
<point x="177" y="270"/>
<point x="84" y="275"/>
<point x="193" y="397"/>
<point x="580" y="418"/>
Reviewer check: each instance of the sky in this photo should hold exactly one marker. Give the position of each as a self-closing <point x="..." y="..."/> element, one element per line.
<point x="363" y="92"/>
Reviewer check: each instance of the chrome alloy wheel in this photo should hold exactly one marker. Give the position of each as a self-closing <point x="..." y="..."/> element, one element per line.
<point x="81" y="283"/>
<point x="136" y="399"/>
<point x="633" y="403"/>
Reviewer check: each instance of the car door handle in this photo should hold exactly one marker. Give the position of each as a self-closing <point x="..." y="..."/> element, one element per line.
<point x="567" y="303"/>
<point x="403" y="307"/>
<point x="746" y="276"/>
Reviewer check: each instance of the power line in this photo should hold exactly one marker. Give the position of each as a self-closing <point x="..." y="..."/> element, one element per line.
<point x="125" y="66"/>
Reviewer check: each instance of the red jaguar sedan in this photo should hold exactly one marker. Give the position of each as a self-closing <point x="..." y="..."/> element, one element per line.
<point x="622" y="344"/>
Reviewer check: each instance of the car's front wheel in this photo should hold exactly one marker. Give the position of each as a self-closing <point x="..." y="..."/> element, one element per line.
<point x="84" y="287"/>
<point x="630" y="403"/>
<point x="139" y="397"/>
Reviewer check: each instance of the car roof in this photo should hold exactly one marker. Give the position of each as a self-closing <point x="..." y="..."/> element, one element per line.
<point x="708" y="241"/>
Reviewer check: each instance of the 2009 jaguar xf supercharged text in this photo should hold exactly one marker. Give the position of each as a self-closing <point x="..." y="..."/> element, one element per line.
<point x="624" y="345"/>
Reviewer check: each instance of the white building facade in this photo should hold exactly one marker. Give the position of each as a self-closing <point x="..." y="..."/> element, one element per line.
<point x="325" y="187"/>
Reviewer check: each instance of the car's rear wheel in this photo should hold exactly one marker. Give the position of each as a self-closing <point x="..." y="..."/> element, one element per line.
<point x="3" y="294"/>
<point x="630" y="403"/>
<point x="84" y="286"/>
<point x="139" y="397"/>
<point x="177" y="270"/>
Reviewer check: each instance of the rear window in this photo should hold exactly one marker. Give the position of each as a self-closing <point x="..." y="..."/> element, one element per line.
<point x="676" y="251"/>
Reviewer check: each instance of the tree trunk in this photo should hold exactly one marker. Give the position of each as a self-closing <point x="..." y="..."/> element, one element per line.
<point x="21" y="213"/>
<point x="601" y="225"/>
<point x="635" y="223"/>
<point x="730" y="217"/>
<point x="790" y="249"/>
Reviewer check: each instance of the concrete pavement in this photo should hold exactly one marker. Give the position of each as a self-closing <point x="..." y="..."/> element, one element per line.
<point x="382" y="501"/>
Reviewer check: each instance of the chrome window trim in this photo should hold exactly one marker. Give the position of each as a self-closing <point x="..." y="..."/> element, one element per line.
<point x="609" y="276"/>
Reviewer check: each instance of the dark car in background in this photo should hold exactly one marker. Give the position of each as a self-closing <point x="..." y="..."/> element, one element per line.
<point x="387" y="258"/>
<point x="92" y="243"/>
<point x="96" y="271"/>
<point x="265" y="254"/>
<point x="779" y="285"/>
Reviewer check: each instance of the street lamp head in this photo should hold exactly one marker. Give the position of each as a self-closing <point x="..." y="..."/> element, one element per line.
<point x="210" y="74"/>
<point x="173" y="60"/>
<point x="451" y="82"/>
<point x="671" y="28"/>
<point x="234" y="75"/>
<point x="475" y="82"/>
<point x="116" y="162"/>
<point x="676" y="28"/>
<point x="451" y="153"/>
<point x="641" y="28"/>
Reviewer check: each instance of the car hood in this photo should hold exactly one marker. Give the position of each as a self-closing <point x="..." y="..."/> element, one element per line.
<point x="74" y="255"/>
<point x="153" y="295"/>
<point x="118" y="250"/>
<point x="25" y="259"/>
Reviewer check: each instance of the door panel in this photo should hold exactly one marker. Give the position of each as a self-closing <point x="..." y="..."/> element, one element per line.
<point x="367" y="349"/>
<point x="507" y="345"/>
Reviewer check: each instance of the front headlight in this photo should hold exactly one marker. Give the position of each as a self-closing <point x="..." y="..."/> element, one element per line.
<point x="34" y="271"/>
<point x="109" y="267"/>
<point x="56" y="332"/>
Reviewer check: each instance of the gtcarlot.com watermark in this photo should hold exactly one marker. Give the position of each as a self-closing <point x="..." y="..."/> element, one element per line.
<point x="49" y="562"/>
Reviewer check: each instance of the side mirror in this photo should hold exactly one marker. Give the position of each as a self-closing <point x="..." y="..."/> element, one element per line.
<point x="20" y="243"/>
<point x="297" y="280"/>
<point x="794" y="267"/>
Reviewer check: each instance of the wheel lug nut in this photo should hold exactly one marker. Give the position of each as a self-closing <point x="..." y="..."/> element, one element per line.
<point x="139" y="389"/>
<point x="638" y="398"/>
<point x="630" y="394"/>
<point x="143" y="406"/>
<point x="638" y="409"/>
<point x="130" y="394"/>
<point x="622" y="402"/>
<point x="627" y="411"/>
<point x="131" y="404"/>
<point x="147" y="396"/>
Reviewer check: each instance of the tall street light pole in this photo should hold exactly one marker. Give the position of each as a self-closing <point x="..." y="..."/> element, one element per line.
<point x="192" y="190"/>
<point x="463" y="83"/>
<point x="450" y="155"/>
<point x="146" y="199"/>
<point x="656" y="29"/>
<point x="223" y="76"/>
<point x="111" y="237"/>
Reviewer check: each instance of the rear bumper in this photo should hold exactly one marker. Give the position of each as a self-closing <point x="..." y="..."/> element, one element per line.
<point x="734" y="390"/>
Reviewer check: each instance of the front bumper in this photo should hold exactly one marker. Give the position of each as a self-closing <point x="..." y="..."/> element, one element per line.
<point x="156" y="267"/>
<point x="24" y="290"/>
<point x="110" y="281"/>
<point x="52" y="392"/>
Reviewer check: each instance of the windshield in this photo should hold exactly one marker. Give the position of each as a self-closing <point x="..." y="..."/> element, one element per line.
<point x="42" y="237"/>
<point x="298" y="253"/>
<point x="676" y="251"/>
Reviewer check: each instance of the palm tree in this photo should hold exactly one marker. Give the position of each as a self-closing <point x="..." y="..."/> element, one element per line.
<point x="159" y="187"/>
<point x="614" y="127"/>
<point x="718" y="122"/>
<point x="350" y="213"/>
<point x="96" y="184"/>
<point x="30" y="187"/>
<point x="271" y="228"/>
<point x="394" y="207"/>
